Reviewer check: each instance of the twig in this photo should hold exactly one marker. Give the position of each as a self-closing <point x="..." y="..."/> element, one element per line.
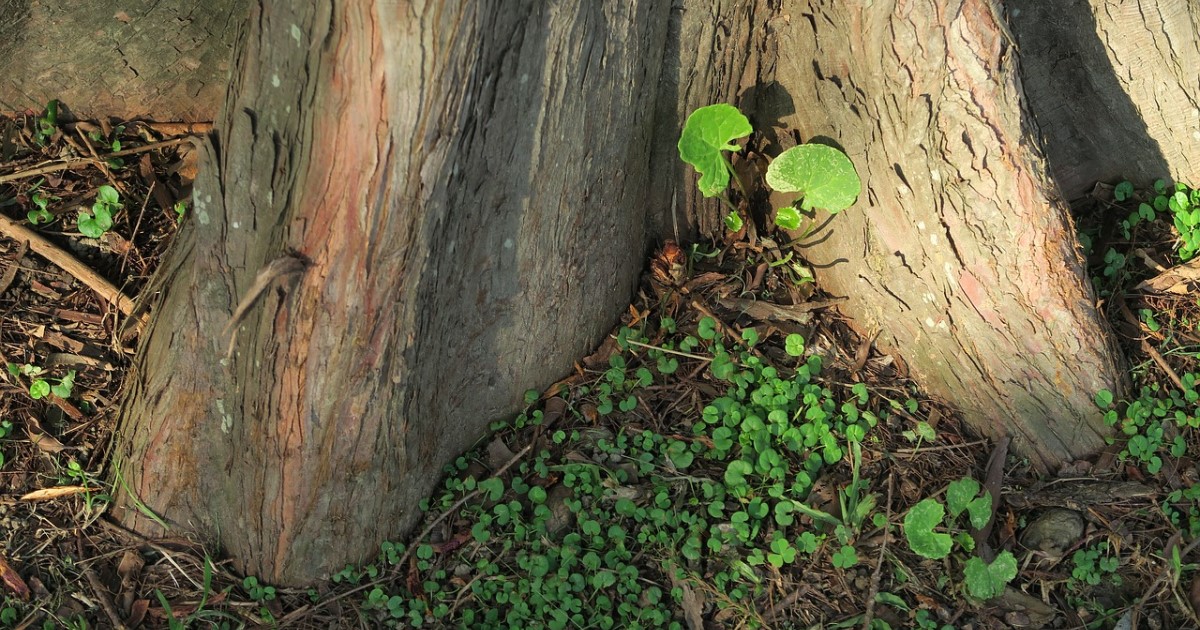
<point x="105" y="601"/>
<point x="67" y="263"/>
<point x="1149" y="349"/>
<point x="668" y="351"/>
<point x="70" y="164"/>
<point x="283" y="266"/>
<point x="869" y="614"/>
<point x="946" y="447"/>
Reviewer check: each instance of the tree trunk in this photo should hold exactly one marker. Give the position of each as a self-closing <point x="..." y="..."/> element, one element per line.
<point x="136" y="59"/>
<point x="445" y="202"/>
<point x="961" y="252"/>
<point x="1129" y="72"/>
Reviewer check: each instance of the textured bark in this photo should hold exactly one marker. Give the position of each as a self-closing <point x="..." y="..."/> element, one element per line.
<point x="960" y="251"/>
<point x="1113" y="87"/>
<point x="713" y="52"/>
<point x="133" y="59"/>
<point x="466" y="182"/>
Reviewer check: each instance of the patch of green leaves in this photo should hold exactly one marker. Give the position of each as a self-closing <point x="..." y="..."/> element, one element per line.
<point x="931" y="533"/>
<point x="1144" y="420"/>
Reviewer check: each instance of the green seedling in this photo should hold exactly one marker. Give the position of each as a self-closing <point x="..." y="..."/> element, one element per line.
<point x="1184" y="204"/>
<point x="924" y="520"/>
<point x="39" y="386"/>
<point x="47" y="123"/>
<point x="100" y="220"/>
<point x="1094" y="566"/>
<point x="42" y="213"/>
<point x="823" y="175"/>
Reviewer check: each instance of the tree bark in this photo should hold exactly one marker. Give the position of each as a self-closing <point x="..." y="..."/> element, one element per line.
<point x="960" y="252"/>
<point x="136" y="59"/>
<point x="448" y="200"/>
<point x="1113" y="88"/>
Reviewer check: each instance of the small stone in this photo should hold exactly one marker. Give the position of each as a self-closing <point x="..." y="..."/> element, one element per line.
<point x="1055" y="531"/>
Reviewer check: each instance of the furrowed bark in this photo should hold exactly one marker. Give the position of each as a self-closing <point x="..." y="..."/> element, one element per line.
<point x="464" y="183"/>
<point x="960" y="251"/>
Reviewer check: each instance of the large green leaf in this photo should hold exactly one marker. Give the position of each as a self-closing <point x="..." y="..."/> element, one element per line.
<point x="985" y="581"/>
<point x="823" y="174"/>
<point x="707" y="132"/>
<point x="918" y="528"/>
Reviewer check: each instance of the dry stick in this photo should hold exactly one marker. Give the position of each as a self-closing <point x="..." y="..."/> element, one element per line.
<point x="67" y="263"/>
<point x="1165" y="575"/>
<point x="295" y="614"/>
<point x="668" y="351"/>
<point x="105" y="601"/>
<point x="869" y="614"/>
<point x="69" y="164"/>
<point x="1149" y="349"/>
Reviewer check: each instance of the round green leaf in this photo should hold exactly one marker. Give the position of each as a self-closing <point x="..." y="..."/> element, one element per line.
<point x="823" y="174"/>
<point x="707" y="132"/>
<point x="39" y="389"/>
<point x="985" y="581"/>
<point x="788" y="218"/>
<point x="918" y="528"/>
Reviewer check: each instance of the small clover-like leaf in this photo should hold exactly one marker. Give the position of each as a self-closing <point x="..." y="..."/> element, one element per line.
<point x="736" y="471"/>
<point x="1104" y="399"/>
<point x="680" y="454"/>
<point x="788" y="218"/>
<point x="794" y="344"/>
<point x="1123" y="191"/>
<point x="707" y="132"/>
<point x="108" y="196"/>
<point x="959" y="494"/>
<point x="985" y="581"/>
<point x="733" y="221"/>
<point x="823" y="174"/>
<point x="493" y="488"/>
<point x="918" y="528"/>
<point x="980" y="511"/>
<point x="39" y="388"/>
<point x="845" y="557"/>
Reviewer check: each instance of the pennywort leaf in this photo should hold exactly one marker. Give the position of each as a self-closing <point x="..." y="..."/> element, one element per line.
<point x="707" y="132"/>
<point x="823" y="174"/>
<point x="918" y="528"/>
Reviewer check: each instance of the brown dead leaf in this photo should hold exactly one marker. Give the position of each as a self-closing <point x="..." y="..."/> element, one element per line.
<point x="57" y="492"/>
<point x="137" y="612"/>
<point x="691" y="602"/>
<point x="1174" y="280"/>
<point x="1194" y="593"/>
<point x="45" y="443"/>
<point x="12" y="580"/>
<point x="122" y="17"/>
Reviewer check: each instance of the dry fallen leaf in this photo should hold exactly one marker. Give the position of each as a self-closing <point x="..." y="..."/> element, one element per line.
<point x="57" y="492"/>
<point x="12" y="580"/>
<point x="45" y="443"/>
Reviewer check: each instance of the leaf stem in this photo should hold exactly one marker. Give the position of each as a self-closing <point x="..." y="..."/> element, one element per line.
<point x="737" y="180"/>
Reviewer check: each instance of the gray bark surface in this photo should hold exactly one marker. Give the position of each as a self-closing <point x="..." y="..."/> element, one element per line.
<point x="1113" y="87"/>
<point x="959" y="251"/>
<point x="467" y="184"/>
<point x="165" y="60"/>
